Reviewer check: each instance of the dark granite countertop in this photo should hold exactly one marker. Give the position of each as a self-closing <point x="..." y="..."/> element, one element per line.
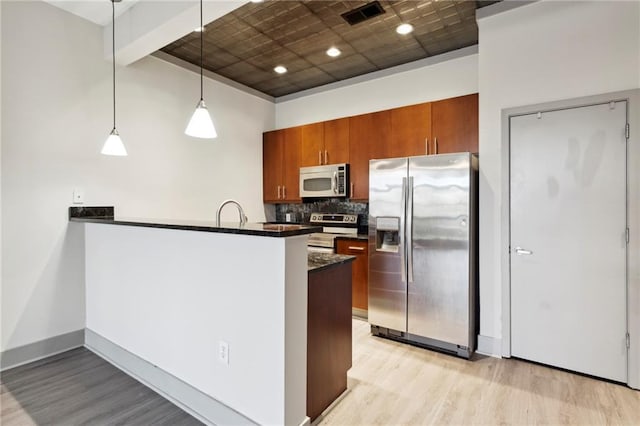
<point x="319" y="261"/>
<point x="258" y="229"/>
<point x="358" y="237"/>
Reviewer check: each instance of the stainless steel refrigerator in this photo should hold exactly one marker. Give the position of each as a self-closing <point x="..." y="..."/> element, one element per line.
<point x="423" y="250"/>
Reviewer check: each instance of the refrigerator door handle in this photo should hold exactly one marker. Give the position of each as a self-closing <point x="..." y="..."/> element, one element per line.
<point x="410" y="230"/>
<point x="402" y="230"/>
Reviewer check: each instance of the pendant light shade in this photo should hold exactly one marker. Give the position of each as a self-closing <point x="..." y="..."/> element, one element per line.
<point x="113" y="144"/>
<point x="200" y="125"/>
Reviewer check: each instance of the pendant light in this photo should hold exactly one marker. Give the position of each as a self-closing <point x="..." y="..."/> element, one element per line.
<point x="114" y="145"/>
<point x="200" y="125"/>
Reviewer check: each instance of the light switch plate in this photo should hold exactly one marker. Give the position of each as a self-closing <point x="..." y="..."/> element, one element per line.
<point x="223" y="352"/>
<point x="78" y="196"/>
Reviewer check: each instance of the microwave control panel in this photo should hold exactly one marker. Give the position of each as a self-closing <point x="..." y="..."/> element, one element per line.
<point x="341" y="180"/>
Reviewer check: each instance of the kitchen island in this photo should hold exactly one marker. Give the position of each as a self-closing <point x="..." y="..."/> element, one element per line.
<point x="214" y="318"/>
<point x="328" y="329"/>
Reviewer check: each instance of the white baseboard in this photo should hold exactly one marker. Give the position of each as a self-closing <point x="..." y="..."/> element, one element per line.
<point x="198" y="404"/>
<point x="42" y="349"/>
<point x="306" y="422"/>
<point x="490" y="346"/>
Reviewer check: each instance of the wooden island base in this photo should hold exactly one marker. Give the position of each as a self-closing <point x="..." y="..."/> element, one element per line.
<point x="328" y="336"/>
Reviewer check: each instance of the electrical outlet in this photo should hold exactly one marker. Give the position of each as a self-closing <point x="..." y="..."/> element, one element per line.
<point x="288" y="217"/>
<point x="223" y="352"/>
<point x="78" y="196"/>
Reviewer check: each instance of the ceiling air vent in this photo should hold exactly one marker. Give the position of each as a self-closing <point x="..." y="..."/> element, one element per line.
<point x="362" y="13"/>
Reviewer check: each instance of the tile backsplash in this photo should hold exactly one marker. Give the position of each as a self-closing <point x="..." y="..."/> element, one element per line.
<point x="302" y="212"/>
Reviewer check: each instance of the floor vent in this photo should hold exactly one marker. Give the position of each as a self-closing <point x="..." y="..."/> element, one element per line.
<point x="363" y="13"/>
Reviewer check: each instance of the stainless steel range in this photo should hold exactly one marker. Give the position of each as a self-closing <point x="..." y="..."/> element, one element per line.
<point x="333" y="225"/>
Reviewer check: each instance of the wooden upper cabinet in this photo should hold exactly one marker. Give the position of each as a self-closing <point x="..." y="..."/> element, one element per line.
<point x="455" y="125"/>
<point x="449" y="125"/>
<point x="336" y="141"/>
<point x="410" y="130"/>
<point x="280" y="166"/>
<point x="291" y="164"/>
<point x="325" y="143"/>
<point x="272" y="166"/>
<point x="312" y="145"/>
<point x="369" y="137"/>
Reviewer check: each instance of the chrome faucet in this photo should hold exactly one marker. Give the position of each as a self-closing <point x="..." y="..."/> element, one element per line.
<point x="243" y="217"/>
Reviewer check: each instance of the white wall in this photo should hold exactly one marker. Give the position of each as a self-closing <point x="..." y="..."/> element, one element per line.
<point x="0" y="179"/>
<point x="173" y="314"/>
<point x="541" y="52"/>
<point x="439" y="80"/>
<point x="56" y="110"/>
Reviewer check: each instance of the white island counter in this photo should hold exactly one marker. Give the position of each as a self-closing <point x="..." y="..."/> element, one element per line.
<point x="161" y="299"/>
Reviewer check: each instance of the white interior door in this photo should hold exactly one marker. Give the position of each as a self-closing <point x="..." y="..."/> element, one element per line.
<point x="568" y="245"/>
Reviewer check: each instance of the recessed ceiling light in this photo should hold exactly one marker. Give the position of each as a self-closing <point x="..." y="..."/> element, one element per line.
<point x="280" y="69"/>
<point x="257" y="1"/>
<point x="199" y="29"/>
<point x="404" y="29"/>
<point x="333" y="51"/>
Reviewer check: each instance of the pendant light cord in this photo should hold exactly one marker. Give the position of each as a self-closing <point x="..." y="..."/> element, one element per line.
<point x="113" y="57"/>
<point x="201" y="55"/>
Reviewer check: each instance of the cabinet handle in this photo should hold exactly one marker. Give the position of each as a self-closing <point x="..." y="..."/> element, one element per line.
<point x="426" y="145"/>
<point x="320" y="157"/>
<point x="325" y="157"/>
<point x="435" y="145"/>
<point x="278" y="192"/>
<point x="351" y="196"/>
<point x="356" y="248"/>
<point x="284" y="192"/>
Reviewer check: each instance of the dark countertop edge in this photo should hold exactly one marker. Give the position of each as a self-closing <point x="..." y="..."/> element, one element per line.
<point x="344" y="258"/>
<point x="359" y="237"/>
<point x="104" y="212"/>
<point x="200" y="228"/>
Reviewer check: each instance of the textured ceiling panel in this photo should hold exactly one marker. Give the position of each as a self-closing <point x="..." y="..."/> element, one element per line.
<point x="248" y="43"/>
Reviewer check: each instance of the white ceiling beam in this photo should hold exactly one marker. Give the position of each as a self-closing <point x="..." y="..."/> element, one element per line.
<point x="150" y="25"/>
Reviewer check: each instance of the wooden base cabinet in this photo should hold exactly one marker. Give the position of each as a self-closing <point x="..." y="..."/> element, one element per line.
<point x="328" y="336"/>
<point x="359" y="273"/>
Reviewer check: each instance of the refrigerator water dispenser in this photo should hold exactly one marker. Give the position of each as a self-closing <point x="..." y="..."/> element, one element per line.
<point x="388" y="234"/>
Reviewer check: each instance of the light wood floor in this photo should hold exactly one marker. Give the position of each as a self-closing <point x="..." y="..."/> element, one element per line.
<point x="397" y="384"/>
<point x="389" y="384"/>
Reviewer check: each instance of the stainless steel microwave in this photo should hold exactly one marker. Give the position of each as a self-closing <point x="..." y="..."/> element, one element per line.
<point x="331" y="180"/>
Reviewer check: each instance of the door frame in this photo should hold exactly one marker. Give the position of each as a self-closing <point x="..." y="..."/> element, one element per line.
<point x="633" y="216"/>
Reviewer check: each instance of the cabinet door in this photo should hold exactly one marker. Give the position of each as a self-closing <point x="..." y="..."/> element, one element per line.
<point x="336" y="141"/>
<point x="272" y="143"/>
<point x="410" y="130"/>
<point x="455" y="124"/>
<point x="312" y="145"/>
<point x="291" y="164"/>
<point x="369" y="137"/>
<point x="359" y="271"/>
